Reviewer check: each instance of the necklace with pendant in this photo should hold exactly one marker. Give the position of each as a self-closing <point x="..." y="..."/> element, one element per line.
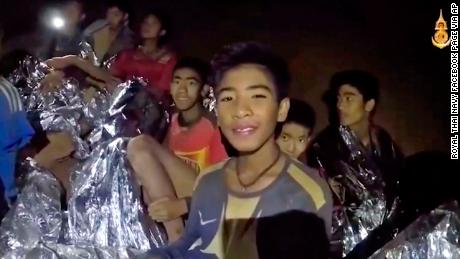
<point x="244" y="186"/>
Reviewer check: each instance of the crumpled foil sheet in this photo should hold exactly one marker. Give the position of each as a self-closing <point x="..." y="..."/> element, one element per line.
<point x="32" y="71"/>
<point x="37" y="228"/>
<point x="106" y="115"/>
<point x="127" y="104"/>
<point x="209" y="100"/>
<point x="432" y="236"/>
<point x="60" y="110"/>
<point x="95" y="110"/>
<point x="362" y="181"/>
<point x="105" y="217"/>
<point x="64" y="112"/>
<point x="60" y="251"/>
<point x="87" y="52"/>
<point x="105" y="208"/>
<point x="36" y="215"/>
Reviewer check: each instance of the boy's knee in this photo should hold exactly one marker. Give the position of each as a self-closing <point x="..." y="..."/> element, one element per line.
<point x="138" y="145"/>
<point x="61" y="141"/>
<point x="142" y="158"/>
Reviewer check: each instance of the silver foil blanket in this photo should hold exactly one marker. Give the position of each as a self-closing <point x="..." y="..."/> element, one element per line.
<point x="131" y="111"/>
<point x="432" y="236"/>
<point x="87" y="52"/>
<point x="209" y="100"/>
<point x="61" y="251"/>
<point x="36" y="215"/>
<point x="105" y="217"/>
<point x="60" y="110"/>
<point x="105" y="208"/>
<point x="361" y="191"/>
<point x="31" y="71"/>
<point x="64" y="113"/>
<point x="36" y="227"/>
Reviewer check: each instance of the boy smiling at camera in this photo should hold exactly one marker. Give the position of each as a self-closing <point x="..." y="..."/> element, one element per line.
<point x="251" y="85"/>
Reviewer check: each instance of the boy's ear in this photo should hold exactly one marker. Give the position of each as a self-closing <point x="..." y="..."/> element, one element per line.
<point x="283" y="109"/>
<point x="205" y="90"/>
<point x="82" y="17"/>
<point x="162" y="32"/>
<point x="370" y="105"/>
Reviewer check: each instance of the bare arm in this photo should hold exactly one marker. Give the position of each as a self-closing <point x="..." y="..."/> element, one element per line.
<point x="97" y="83"/>
<point x="92" y="70"/>
<point x="86" y="66"/>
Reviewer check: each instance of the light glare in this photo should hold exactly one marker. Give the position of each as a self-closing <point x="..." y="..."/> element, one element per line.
<point x="57" y="22"/>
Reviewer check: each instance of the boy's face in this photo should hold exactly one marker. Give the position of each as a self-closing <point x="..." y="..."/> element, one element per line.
<point x="294" y="139"/>
<point x="73" y="14"/>
<point x="351" y="107"/>
<point x="185" y="88"/>
<point x="115" y="17"/>
<point x="151" y="27"/>
<point x="247" y="107"/>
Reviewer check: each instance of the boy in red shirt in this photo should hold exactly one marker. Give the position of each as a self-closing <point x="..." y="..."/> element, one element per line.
<point x="153" y="60"/>
<point x="193" y="143"/>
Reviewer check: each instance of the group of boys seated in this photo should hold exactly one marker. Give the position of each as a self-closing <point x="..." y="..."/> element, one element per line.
<point x="213" y="181"/>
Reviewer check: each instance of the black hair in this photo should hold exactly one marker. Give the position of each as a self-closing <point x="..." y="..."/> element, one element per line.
<point x="2" y="32"/>
<point x="252" y="53"/>
<point x="364" y="82"/>
<point x="301" y="113"/>
<point x="10" y="61"/>
<point x="165" y="22"/>
<point x="122" y="5"/>
<point x="292" y="234"/>
<point x="200" y="66"/>
<point x="81" y="3"/>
